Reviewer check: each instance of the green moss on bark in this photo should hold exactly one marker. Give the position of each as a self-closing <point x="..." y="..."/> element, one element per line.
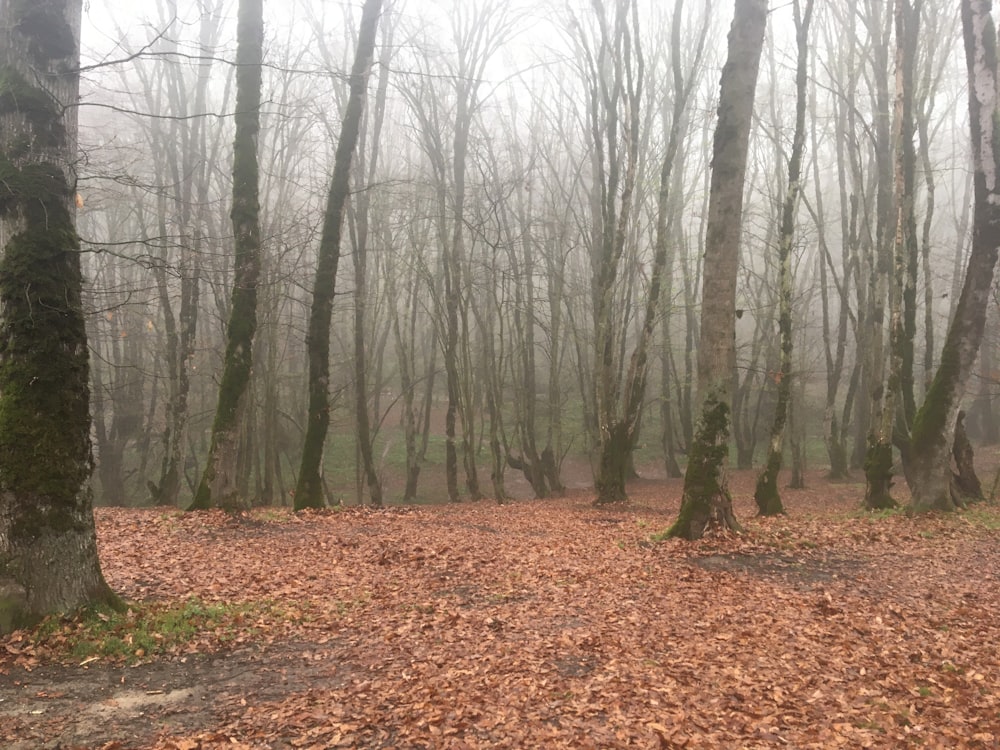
<point x="878" y="475"/>
<point x="613" y="467"/>
<point x="44" y="409"/>
<point x="766" y="493"/>
<point x="35" y="105"/>
<point x="14" y="609"/>
<point x="705" y="493"/>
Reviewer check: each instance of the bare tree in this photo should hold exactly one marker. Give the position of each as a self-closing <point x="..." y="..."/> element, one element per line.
<point x="309" y="489"/>
<point x="930" y="454"/>
<point x="706" y="495"/>
<point x="767" y="495"/>
<point x="220" y="483"/>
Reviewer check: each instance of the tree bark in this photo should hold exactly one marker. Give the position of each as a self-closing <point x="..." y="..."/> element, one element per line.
<point x="881" y="374"/>
<point x="48" y="548"/>
<point x="220" y="481"/>
<point x="365" y="436"/>
<point x="767" y="496"/>
<point x="706" y="495"/>
<point x="966" y="480"/>
<point x="930" y="472"/>
<point x="309" y="488"/>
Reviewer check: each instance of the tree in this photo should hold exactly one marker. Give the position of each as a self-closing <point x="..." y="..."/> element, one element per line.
<point x="309" y="488"/>
<point x="48" y="548"/>
<point x="447" y="102"/>
<point x="706" y="494"/>
<point x="219" y="481"/>
<point x="932" y="482"/>
<point x="613" y="69"/>
<point x="882" y="363"/>
<point x="620" y="403"/>
<point x="766" y="495"/>
<point x="362" y="294"/>
<point x="172" y="194"/>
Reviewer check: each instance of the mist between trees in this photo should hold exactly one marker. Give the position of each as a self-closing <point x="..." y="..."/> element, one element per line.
<point x="518" y="300"/>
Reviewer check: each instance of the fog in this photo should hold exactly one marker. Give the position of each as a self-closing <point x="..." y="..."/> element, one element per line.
<point x="496" y="145"/>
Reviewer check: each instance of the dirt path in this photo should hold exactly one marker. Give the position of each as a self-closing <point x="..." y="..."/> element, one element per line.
<point x="98" y="705"/>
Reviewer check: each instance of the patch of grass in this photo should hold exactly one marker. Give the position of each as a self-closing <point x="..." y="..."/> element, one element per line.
<point x="983" y="516"/>
<point x="924" y="691"/>
<point x="147" y="629"/>
<point x="273" y="515"/>
<point x="880" y="515"/>
<point x="171" y="520"/>
<point x="345" y="606"/>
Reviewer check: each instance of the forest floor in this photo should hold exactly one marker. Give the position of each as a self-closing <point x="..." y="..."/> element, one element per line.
<point x="534" y="624"/>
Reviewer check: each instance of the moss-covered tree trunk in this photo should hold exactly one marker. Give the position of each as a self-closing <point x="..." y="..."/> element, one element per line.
<point x="930" y="455"/>
<point x="880" y="376"/>
<point x="767" y="496"/>
<point x="706" y="496"/>
<point x="309" y="488"/>
<point x="220" y="480"/>
<point x="48" y="549"/>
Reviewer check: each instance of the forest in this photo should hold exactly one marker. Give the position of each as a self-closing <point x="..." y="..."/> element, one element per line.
<point x="441" y="355"/>
<point x="506" y="156"/>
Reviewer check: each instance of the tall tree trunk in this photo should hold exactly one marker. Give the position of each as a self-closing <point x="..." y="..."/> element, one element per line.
<point x="930" y="452"/>
<point x="706" y="493"/>
<point x="361" y="291"/>
<point x="309" y="488"/>
<point x="983" y="415"/>
<point x="615" y="79"/>
<point x="220" y="481"/>
<point x="48" y="548"/>
<point x="767" y="496"/>
<point x="883" y="364"/>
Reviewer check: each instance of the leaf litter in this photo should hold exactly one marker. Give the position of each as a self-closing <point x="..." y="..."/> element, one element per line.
<point x="537" y="624"/>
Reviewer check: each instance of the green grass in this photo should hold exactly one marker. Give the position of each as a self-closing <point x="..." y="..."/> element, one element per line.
<point x="147" y="629"/>
<point x="983" y="516"/>
<point x="881" y="514"/>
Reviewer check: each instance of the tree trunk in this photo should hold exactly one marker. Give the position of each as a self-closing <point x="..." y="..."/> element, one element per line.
<point x="983" y="422"/>
<point x="929" y="450"/>
<point x="967" y="483"/>
<point x="882" y="363"/>
<point x="221" y="479"/>
<point x="365" y="436"/>
<point x="767" y="495"/>
<point x="48" y="548"/>
<point x="615" y="73"/>
<point x="706" y="495"/>
<point x="309" y="488"/>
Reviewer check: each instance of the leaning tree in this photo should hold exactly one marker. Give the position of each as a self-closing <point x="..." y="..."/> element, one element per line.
<point x="309" y="489"/>
<point x="929" y="473"/>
